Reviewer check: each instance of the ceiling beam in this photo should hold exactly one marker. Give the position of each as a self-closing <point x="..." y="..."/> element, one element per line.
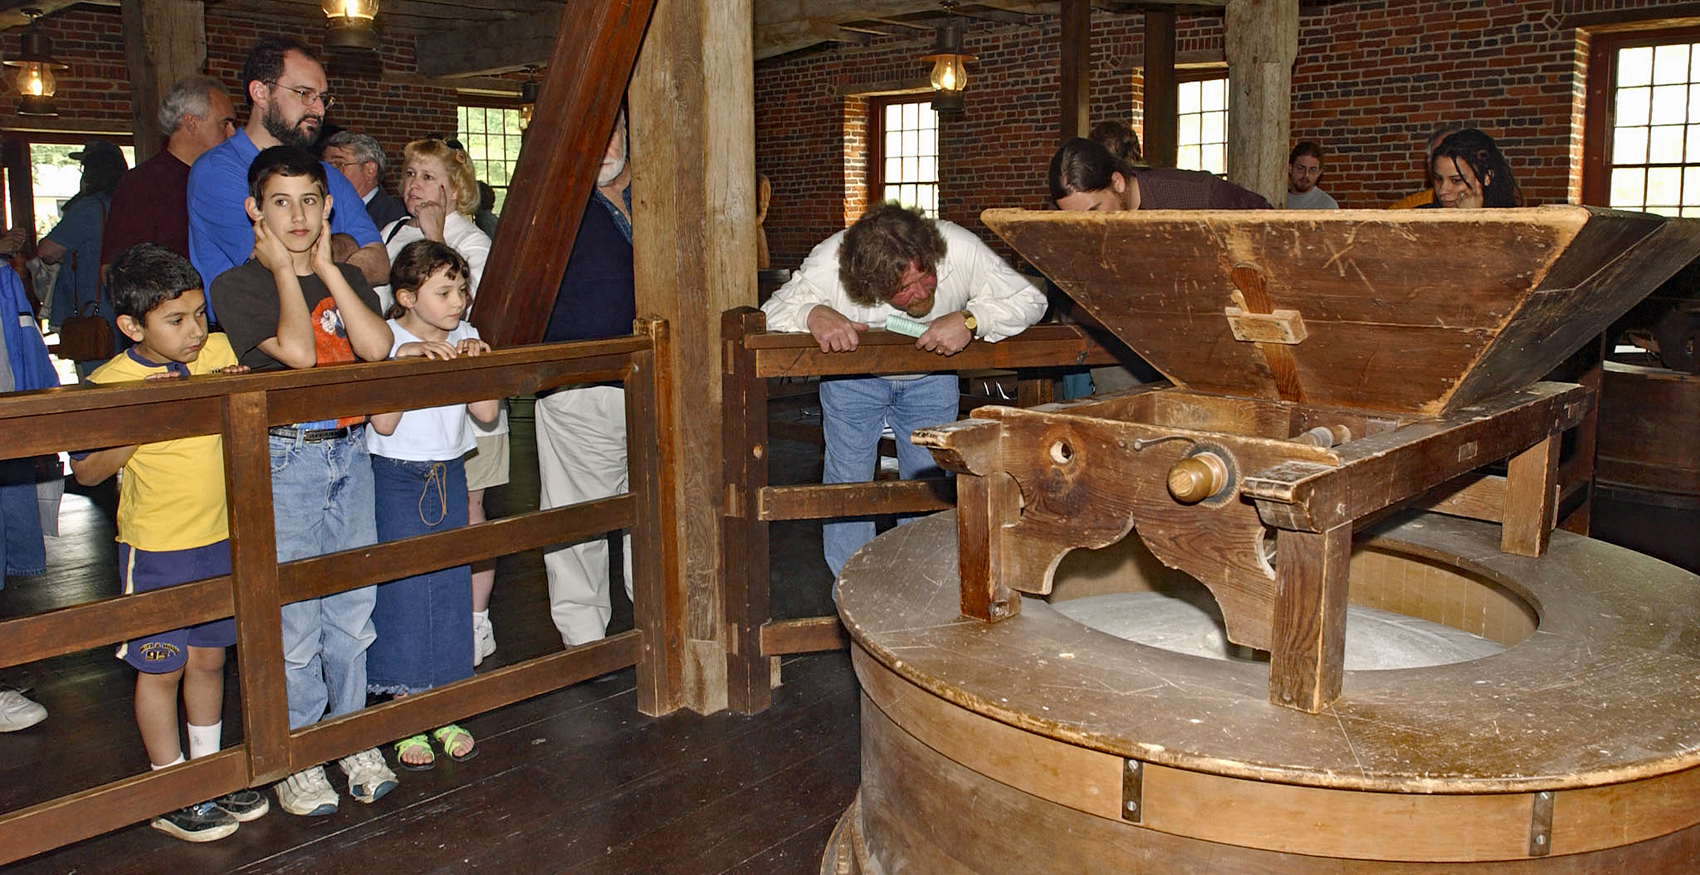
<point x="493" y="47"/>
<point x="13" y="15"/>
<point x="863" y="27"/>
<point x="984" y="13"/>
<point x="788" y="25"/>
<point x="488" y="86"/>
<point x="411" y="16"/>
<point x="909" y="25"/>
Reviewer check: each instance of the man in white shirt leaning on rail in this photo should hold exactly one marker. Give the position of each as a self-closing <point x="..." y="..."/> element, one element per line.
<point x="894" y="263"/>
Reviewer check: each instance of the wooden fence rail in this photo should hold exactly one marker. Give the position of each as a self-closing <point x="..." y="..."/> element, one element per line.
<point x="752" y="356"/>
<point x="240" y="409"/>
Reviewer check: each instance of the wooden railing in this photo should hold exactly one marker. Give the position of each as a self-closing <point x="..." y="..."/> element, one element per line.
<point x="752" y="356"/>
<point x="241" y="408"/>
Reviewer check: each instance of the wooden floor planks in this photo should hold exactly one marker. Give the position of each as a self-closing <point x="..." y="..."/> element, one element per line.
<point x="576" y="781"/>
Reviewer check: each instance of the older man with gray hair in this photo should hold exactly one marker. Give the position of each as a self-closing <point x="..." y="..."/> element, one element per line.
<point x="361" y="159"/>
<point x="151" y="204"/>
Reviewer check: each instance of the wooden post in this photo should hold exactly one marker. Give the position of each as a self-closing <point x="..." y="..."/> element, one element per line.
<point x="1308" y="656"/>
<point x="14" y="156"/>
<point x="1262" y="41"/>
<point x="1075" y="76"/>
<point x="1577" y="472"/>
<point x="1531" y="499"/>
<point x="692" y="101"/>
<point x="658" y="599"/>
<point x="744" y="403"/>
<point x="1162" y="102"/>
<point x="164" y="41"/>
<point x="984" y="506"/>
<point x="253" y="574"/>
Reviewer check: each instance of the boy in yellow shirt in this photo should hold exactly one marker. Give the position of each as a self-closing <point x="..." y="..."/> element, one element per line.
<point x="172" y="526"/>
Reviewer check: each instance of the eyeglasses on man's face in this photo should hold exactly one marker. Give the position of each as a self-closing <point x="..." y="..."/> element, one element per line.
<point x="307" y="95"/>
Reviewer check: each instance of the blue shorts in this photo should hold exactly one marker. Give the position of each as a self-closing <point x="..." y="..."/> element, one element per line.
<point x="145" y="571"/>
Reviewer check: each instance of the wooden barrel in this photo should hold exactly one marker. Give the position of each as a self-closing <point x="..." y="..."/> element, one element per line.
<point x="1038" y="745"/>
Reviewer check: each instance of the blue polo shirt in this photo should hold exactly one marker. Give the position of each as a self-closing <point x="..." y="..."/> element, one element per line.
<point x="220" y="233"/>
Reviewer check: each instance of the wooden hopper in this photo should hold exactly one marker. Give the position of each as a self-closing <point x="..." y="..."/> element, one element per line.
<point x="1327" y="367"/>
<point x="1412" y="312"/>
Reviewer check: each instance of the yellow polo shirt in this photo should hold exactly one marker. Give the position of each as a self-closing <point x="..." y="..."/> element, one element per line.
<point x="171" y="493"/>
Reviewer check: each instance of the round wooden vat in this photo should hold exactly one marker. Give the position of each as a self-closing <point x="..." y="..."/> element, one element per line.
<point x="1039" y="745"/>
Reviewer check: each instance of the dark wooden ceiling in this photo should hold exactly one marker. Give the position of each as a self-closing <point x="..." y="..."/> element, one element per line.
<point x="459" y="38"/>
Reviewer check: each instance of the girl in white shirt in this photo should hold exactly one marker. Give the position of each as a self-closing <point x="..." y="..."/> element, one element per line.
<point x="441" y="194"/>
<point x="424" y="623"/>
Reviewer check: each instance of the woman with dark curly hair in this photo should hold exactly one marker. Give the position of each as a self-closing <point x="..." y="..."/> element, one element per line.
<point x="1470" y="173"/>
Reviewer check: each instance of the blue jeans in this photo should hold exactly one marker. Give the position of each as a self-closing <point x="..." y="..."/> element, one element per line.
<point x="424" y="622"/>
<point x="322" y="503"/>
<point x="854" y="411"/>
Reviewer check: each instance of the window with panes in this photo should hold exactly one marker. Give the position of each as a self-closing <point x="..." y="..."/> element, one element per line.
<point x="1652" y="148"/>
<point x="491" y="136"/>
<point x="903" y="158"/>
<point x="1202" y="117"/>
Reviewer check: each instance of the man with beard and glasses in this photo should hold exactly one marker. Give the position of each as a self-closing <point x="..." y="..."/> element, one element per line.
<point x="581" y="432"/>
<point x="287" y="102"/>
<point x="895" y="263"/>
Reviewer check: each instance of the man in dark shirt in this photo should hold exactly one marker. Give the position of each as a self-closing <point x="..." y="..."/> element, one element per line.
<point x="581" y="432"/>
<point x="151" y="204"/>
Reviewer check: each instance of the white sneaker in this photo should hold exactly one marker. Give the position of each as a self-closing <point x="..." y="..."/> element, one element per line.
<point x="18" y="712"/>
<point x="307" y="792"/>
<point x="369" y="778"/>
<point x="483" y="637"/>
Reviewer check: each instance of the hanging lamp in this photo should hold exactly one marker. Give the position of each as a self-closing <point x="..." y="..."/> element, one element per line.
<point x="353" y="24"/>
<point x="36" y="83"/>
<point x="950" y="75"/>
<point x="528" y="96"/>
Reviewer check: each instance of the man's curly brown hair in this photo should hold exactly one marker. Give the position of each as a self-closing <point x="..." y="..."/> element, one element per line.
<point x="881" y="246"/>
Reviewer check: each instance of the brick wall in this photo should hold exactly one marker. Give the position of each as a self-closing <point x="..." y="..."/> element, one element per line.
<point x="1372" y="80"/>
<point x="94" y="93"/>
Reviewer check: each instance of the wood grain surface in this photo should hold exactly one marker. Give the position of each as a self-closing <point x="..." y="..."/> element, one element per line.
<point x="1523" y="288"/>
<point x="1603" y="691"/>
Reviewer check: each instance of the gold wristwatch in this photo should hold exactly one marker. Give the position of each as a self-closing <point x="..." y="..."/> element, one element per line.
<point x="972" y="323"/>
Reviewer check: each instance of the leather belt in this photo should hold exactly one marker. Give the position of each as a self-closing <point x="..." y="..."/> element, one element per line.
<point x="309" y="435"/>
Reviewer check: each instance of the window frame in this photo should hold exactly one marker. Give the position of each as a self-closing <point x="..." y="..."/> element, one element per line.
<point x="1600" y="110"/>
<point x="465" y="136"/>
<point x="876" y="147"/>
<point x="1185" y="75"/>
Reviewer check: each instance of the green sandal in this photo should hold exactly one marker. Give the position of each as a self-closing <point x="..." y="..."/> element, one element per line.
<point x="414" y="743"/>
<point x="450" y="737"/>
